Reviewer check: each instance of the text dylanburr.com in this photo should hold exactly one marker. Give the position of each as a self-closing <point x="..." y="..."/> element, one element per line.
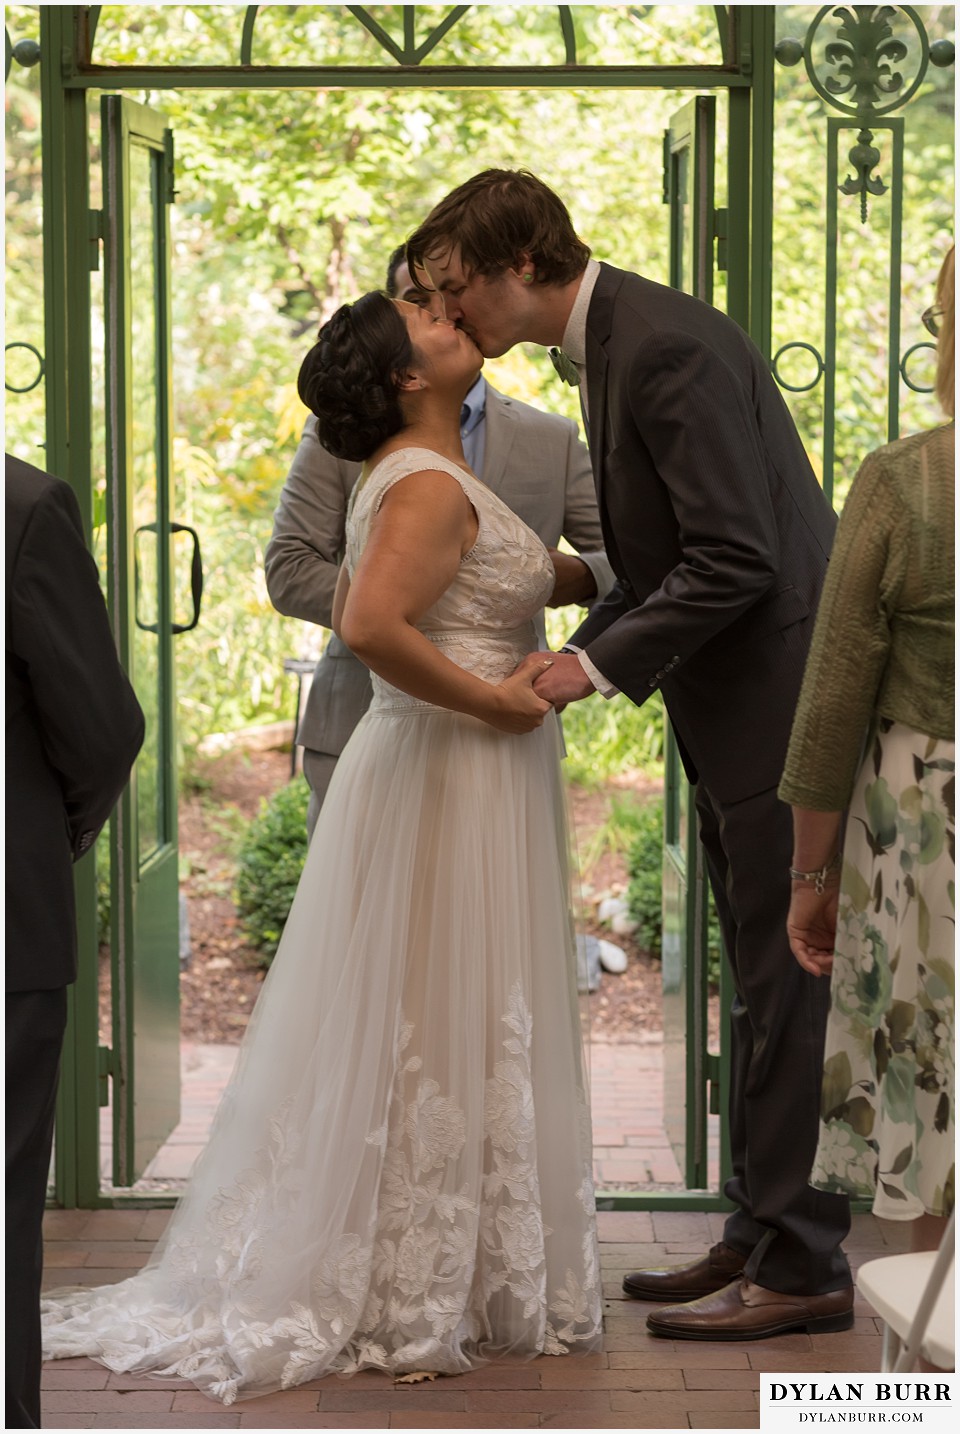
<point x="810" y="1402"/>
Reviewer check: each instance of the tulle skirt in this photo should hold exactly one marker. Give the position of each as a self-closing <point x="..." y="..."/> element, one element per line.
<point x="399" y="1175"/>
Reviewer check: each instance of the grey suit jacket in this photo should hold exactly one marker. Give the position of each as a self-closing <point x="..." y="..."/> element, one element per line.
<point x="715" y="524"/>
<point x="534" y="461"/>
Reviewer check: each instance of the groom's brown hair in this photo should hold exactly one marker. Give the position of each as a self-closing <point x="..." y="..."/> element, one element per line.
<point x="495" y="217"/>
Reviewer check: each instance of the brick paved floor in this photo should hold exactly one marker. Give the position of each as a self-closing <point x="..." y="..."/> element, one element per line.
<point x="636" y="1383"/>
<point x="631" y="1146"/>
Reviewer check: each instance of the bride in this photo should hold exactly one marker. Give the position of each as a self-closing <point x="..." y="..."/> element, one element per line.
<point x="399" y="1174"/>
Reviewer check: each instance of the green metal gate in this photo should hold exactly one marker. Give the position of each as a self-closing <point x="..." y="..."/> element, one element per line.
<point x="867" y="61"/>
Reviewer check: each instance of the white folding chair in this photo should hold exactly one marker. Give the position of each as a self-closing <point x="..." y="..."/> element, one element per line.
<point x="914" y="1296"/>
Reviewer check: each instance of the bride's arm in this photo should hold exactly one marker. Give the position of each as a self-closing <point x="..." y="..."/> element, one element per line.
<point x="424" y="527"/>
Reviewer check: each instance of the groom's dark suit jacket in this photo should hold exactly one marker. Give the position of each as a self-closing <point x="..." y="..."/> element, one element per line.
<point x="73" y="723"/>
<point x="714" y="523"/>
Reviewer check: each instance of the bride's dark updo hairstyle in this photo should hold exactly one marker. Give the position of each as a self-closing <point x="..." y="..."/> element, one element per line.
<point x="350" y="378"/>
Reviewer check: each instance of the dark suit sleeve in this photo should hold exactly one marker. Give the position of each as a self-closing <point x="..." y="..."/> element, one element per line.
<point x="601" y="616"/>
<point x="90" y="722"/>
<point x="697" y="422"/>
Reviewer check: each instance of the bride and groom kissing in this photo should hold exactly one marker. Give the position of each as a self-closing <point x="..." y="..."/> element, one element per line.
<point x="399" y="1175"/>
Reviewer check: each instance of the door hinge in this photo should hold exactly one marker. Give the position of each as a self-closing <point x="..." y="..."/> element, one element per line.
<point x="712" y="1071"/>
<point x="105" y="1070"/>
<point x="666" y="167"/>
<point x="94" y="236"/>
<point x="720" y="234"/>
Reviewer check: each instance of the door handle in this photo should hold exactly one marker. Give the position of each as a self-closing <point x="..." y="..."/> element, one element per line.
<point x="196" y="579"/>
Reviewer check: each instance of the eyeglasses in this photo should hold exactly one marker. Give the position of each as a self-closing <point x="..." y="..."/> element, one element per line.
<point x="931" y="319"/>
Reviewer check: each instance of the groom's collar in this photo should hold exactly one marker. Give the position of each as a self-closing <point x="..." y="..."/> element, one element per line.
<point x="574" y="343"/>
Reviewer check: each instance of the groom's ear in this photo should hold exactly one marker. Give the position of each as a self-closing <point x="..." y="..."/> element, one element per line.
<point x="524" y="267"/>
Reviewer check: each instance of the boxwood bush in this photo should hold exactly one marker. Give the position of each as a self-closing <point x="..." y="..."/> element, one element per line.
<point x="270" y="862"/>
<point x="645" y="889"/>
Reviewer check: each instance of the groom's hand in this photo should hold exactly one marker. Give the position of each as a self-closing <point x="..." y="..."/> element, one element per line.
<point x="565" y="681"/>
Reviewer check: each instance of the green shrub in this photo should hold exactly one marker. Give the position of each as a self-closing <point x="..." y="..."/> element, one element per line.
<point x="644" y="860"/>
<point x="645" y="889"/>
<point x="271" y="860"/>
<point x="102" y="858"/>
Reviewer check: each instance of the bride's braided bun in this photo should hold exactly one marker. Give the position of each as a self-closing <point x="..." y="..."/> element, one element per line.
<point x="350" y="377"/>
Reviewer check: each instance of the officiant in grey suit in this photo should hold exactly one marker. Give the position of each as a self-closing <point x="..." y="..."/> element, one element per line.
<point x="719" y="535"/>
<point x="534" y="461"/>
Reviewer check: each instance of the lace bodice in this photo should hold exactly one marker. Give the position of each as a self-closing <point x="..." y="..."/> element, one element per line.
<point x="484" y="620"/>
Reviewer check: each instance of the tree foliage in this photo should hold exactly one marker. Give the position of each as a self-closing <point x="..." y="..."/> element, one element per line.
<point x="289" y="202"/>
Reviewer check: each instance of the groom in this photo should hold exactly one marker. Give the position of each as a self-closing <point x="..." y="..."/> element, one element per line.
<point x="719" y="535"/>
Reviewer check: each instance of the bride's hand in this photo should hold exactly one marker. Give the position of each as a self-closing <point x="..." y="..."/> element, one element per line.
<point x="517" y="707"/>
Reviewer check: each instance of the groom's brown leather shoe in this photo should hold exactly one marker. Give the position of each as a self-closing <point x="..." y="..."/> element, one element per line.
<point x="677" y="1283"/>
<point x="744" y="1310"/>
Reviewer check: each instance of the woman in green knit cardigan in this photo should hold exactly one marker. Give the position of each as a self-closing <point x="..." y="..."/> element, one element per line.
<point x="873" y="736"/>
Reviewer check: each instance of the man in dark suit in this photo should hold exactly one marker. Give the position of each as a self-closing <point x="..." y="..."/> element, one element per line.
<point x="74" y="728"/>
<point x="719" y="535"/>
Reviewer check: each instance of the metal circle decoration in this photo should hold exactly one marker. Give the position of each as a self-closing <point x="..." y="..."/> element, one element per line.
<point x="12" y="388"/>
<point x="915" y="387"/>
<point x="798" y="387"/>
<point x="863" y="57"/>
<point x="942" y="53"/>
<point x="788" y="52"/>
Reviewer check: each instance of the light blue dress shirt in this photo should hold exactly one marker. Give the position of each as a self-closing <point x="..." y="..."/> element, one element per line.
<point x="473" y="428"/>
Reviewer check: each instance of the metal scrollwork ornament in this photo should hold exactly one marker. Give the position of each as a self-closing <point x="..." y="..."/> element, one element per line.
<point x="864" y="55"/>
<point x="864" y="157"/>
<point x="869" y="69"/>
<point x="864" y="77"/>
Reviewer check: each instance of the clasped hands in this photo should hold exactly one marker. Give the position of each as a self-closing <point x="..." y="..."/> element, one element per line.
<point x="541" y="681"/>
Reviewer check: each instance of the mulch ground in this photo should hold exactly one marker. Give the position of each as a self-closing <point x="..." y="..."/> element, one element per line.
<point x="220" y="984"/>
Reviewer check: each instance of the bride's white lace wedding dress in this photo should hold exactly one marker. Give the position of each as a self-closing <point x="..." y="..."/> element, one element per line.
<point x="399" y="1174"/>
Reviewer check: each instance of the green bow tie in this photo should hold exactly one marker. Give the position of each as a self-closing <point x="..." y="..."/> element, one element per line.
<point x="565" y="367"/>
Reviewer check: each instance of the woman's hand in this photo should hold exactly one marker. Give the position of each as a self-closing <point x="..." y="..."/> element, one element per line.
<point x="812" y="926"/>
<point x="516" y="707"/>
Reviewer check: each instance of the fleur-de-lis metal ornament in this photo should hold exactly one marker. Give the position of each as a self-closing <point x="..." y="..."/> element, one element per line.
<point x="862" y="73"/>
<point x="864" y="53"/>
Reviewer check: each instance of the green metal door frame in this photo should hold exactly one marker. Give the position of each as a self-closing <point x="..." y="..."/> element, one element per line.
<point x="67" y="342"/>
<point x="67" y="74"/>
<point x="144" y="1059"/>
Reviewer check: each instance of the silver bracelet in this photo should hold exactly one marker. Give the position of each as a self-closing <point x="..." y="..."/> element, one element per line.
<point x="819" y="877"/>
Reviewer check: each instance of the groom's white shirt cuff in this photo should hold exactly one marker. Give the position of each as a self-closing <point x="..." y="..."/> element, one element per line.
<point x="605" y="688"/>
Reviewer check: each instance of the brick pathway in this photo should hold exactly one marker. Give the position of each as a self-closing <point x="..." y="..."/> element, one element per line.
<point x="636" y="1383"/>
<point x="631" y="1147"/>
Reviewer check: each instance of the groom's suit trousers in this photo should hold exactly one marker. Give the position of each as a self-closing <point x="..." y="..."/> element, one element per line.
<point x="791" y="1231"/>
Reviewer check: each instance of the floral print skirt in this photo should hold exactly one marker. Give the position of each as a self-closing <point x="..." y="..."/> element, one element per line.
<point x="887" y="1107"/>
